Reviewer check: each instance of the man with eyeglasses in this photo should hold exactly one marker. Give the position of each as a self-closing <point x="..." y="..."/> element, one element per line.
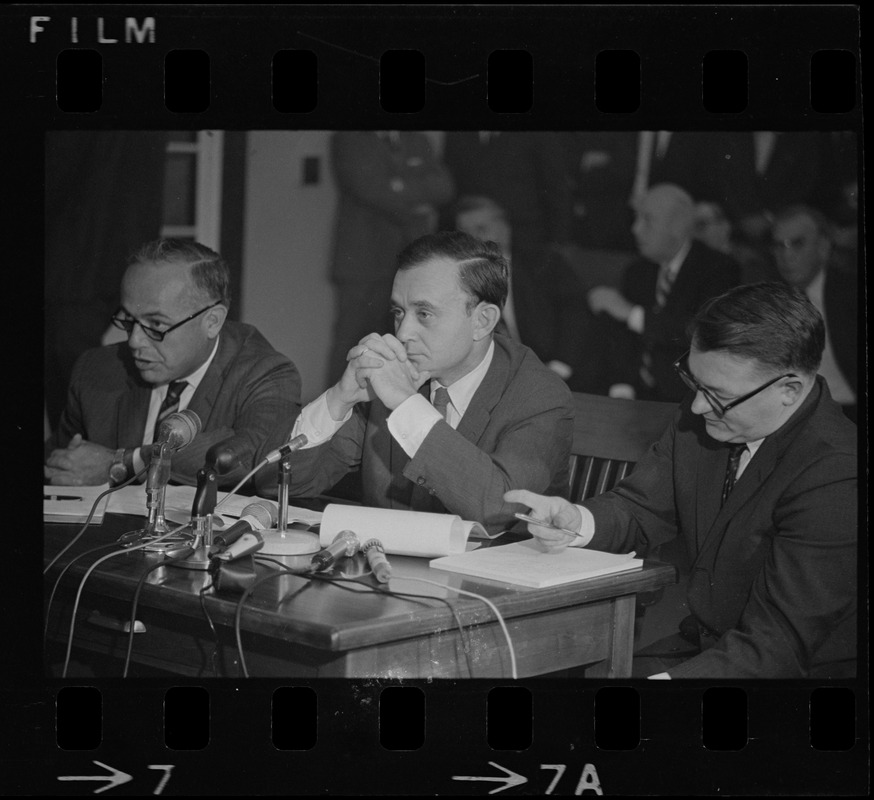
<point x="801" y="240"/>
<point x="181" y="352"/>
<point x="758" y="475"/>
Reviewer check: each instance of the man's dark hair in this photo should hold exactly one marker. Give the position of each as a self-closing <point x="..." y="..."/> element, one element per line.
<point x="482" y="270"/>
<point x="209" y="272"/>
<point x="771" y="322"/>
<point x="823" y="225"/>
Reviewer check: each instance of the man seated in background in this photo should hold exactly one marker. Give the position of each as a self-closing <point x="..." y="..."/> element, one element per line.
<point x="758" y="475"/>
<point x="644" y="320"/>
<point x="445" y="415"/>
<point x="804" y="254"/>
<point x="181" y="352"/>
<point x="545" y="304"/>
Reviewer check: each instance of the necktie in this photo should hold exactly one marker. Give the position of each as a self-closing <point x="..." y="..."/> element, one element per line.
<point x="663" y="286"/>
<point x="170" y="404"/>
<point x="735" y="451"/>
<point x="441" y="400"/>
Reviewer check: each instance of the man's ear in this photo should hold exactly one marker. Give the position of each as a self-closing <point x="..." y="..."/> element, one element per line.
<point x="793" y="390"/>
<point x="486" y="317"/>
<point x="215" y="318"/>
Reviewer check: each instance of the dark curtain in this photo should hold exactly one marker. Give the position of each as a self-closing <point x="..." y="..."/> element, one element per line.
<point x="104" y="197"/>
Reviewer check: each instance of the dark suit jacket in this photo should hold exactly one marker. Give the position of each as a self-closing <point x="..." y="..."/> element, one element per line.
<point x="841" y="301"/>
<point x="704" y="273"/>
<point x="516" y="433"/>
<point x="548" y="301"/>
<point x="773" y="572"/>
<point x="374" y="221"/>
<point x="250" y="392"/>
<point x="524" y="172"/>
<point x="790" y="177"/>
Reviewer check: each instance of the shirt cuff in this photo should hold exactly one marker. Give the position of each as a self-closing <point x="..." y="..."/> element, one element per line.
<point x="587" y="528"/>
<point x="635" y="319"/>
<point x="138" y="462"/>
<point x="411" y="422"/>
<point x="316" y="422"/>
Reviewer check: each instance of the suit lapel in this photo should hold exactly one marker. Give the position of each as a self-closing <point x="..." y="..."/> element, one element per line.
<point x="486" y="397"/>
<point x="133" y="408"/>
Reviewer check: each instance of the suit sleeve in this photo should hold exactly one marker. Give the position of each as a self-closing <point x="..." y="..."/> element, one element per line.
<point x="805" y="588"/>
<point x="314" y="470"/>
<point x="471" y="482"/>
<point x="639" y="513"/>
<point x="266" y="402"/>
<point x="364" y="173"/>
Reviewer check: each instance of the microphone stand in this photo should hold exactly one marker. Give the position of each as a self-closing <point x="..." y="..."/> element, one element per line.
<point x="156" y="526"/>
<point x="282" y="541"/>
<point x="205" y="499"/>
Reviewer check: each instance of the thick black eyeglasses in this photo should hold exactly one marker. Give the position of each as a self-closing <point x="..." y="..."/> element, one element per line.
<point x="127" y="324"/>
<point x="721" y="409"/>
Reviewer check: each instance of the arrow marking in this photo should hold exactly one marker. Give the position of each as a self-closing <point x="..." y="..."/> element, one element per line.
<point x="509" y="779"/>
<point x="117" y="778"/>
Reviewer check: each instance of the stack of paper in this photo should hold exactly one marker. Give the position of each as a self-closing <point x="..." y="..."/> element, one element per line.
<point x="405" y="533"/>
<point x="73" y="503"/>
<point x="527" y="564"/>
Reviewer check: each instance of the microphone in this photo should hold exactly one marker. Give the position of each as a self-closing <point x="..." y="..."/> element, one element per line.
<point x="345" y="544"/>
<point x="248" y="543"/>
<point x="379" y="565"/>
<point x="256" y="516"/>
<point x="176" y="431"/>
<point x="179" y="429"/>
<point x="289" y="447"/>
<point x="220" y="459"/>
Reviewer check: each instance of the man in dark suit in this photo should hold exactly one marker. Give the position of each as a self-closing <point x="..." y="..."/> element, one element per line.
<point x="758" y="474"/>
<point x="804" y="253"/>
<point x="497" y="417"/>
<point x="545" y="299"/>
<point x="658" y="295"/>
<point x="181" y="352"/>
<point x="389" y="184"/>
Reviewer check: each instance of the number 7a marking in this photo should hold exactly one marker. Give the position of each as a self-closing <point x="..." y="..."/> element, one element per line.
<point x="168" y="768"/>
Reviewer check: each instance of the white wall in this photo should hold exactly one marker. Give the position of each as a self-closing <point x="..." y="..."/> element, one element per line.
<point x="286" y="250"/>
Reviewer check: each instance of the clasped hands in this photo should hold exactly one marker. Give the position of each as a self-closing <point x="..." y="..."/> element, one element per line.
<point x="80" y="463"/>
<point x="377" y="367"/>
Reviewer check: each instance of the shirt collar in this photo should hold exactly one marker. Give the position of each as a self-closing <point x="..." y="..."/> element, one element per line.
<point x="193" y="380"/>
<point x="462" y="391"/>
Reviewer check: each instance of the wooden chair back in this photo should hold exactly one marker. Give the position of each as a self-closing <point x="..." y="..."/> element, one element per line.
<point x="610" y="436"/>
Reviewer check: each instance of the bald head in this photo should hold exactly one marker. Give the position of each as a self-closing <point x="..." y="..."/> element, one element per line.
<point x="664" y="221"/>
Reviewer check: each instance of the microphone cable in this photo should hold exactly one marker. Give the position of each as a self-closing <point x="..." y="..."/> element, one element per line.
<point x="94" y="505"/>
<point x="91" y="569"/>
<point x="184" y="553"/>
<point x="485" y="600"/>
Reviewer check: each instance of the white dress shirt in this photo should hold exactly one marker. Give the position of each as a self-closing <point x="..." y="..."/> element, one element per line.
<point x="635" y="319"/>
<point x="160" y="392"/>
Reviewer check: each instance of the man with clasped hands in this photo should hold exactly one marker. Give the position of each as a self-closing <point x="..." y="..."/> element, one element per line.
<point x="772" y="540"/>
<point x="508" y="419"/>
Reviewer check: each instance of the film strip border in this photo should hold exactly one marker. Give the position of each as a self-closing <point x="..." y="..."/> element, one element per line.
<point x="436" y="67"/>
<point x="447" y="738"/>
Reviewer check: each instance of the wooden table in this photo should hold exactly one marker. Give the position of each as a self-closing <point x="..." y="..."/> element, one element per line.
<point x="293" y="627"/>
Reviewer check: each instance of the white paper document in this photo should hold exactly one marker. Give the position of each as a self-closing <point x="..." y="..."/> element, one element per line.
<point x="527" y="564"/>
<point x="404" y="533"/>
<point x="73" y="503"/>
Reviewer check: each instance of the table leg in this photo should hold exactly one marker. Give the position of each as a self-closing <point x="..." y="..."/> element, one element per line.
<point x="621" y="647"/>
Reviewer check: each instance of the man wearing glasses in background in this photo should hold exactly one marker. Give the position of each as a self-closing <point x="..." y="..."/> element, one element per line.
<point x="181" y="352"/>
<point x="758" y="474"/>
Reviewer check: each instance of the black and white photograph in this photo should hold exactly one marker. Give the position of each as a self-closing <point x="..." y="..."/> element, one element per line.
<point x="401" y="407"/>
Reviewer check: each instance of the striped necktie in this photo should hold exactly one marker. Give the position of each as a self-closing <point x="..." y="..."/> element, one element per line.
<point x="663" y="286"/>
<point x="441" y="400"/>
<point x="170" y="404"/>
<point x="735" y="451"/>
